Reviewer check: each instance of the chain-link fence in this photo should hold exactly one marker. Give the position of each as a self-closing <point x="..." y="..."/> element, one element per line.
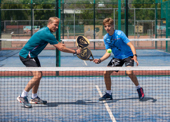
<point x="74" y="23"/>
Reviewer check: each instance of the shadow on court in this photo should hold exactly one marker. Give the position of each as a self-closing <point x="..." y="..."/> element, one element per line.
<point x="88" y="102"/>
<point x="78" y="102"/>
<point x="153" y="100"/>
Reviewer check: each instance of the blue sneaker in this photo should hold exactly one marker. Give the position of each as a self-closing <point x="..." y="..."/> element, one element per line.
<point x="107" y="96"/>
<point x="140" y="93"/>
<point x="24" y="101"/>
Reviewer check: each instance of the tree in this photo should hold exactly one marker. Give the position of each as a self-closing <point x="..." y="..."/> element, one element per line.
<point x="146" y="14"/>
<point x="14" y="14"/>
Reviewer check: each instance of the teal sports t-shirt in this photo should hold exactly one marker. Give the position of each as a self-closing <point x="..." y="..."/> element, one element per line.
<point x="37" y="43"/>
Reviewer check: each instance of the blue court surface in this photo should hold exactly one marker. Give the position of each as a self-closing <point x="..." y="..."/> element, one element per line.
<point x="10" y="58"/>
<point x="75" y="99"/>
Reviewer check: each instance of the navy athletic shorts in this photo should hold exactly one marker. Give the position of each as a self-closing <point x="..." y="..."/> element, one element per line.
<point x="114" y="62"/>
<point x="30" y="62"/>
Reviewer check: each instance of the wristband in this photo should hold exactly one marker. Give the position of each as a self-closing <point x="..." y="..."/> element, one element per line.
<point x="75" y="52"/>
<point x="99" y="61"/>
<point x="135" y="55"/>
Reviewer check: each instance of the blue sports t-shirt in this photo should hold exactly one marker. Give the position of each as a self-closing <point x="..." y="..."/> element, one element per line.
<point x="118" y="43"/>
<point x="38" y="42"/>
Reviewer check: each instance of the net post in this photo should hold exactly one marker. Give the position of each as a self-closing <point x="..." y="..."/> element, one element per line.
<point x="32" y="17"/>
<point x="63" y="17"/>
<point x="0" y="24"/>
<point x="156" y="14"/>
<point x="58" y="36"/>
<point x="126" y="18"/>
<point x="94" y="21"/>
<point x="119" y="14"/>
<point x="166" y="26"/>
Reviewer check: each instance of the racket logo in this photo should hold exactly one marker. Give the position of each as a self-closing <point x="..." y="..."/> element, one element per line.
<point x="83" y="41"/>
<point x="84" y="53"/>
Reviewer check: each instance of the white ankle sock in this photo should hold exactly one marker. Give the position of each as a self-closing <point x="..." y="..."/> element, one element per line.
<point x="24" y="93"/>
<point x="109" y="92"/>
<point x="34" y="95"/>
<point x="137" y="87"/>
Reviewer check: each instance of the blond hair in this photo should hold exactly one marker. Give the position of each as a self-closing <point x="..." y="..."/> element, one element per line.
<point x="51" y="19"/>
<point x="108" y="20"/>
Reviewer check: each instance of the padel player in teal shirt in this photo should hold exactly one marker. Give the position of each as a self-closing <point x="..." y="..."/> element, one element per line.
<point x="37" y="43"/>
<point x="124" y="53"/>
<point x="29" y="57"/>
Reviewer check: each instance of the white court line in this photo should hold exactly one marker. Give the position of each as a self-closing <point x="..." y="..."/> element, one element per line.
<point x="106" y="105"/>
<point x="85" y="63"/>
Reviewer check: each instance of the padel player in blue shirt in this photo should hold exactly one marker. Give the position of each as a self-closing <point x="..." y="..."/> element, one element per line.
<point x="124" y="53"/>
<point x="29" y="57"/>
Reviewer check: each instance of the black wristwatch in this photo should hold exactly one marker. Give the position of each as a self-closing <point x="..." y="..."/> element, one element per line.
<point x="135" y="55"/>
<point x="99" y="61"/>
<point x="75" y="52"/>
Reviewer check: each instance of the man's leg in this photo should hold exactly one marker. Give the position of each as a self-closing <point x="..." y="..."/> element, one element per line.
<point x="107" y="79"/>
<point x="129" y="62"/>
<point x="34" y="82"/>
<point x="134" y="79"/>
<point x="113" y="63"/>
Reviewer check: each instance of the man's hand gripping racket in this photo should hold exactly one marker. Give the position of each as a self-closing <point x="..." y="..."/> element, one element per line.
<point x="85" y="54"/>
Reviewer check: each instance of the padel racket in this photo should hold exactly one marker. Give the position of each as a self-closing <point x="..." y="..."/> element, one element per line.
<point x="82" y="42"/>
<point x="85" y="54"/>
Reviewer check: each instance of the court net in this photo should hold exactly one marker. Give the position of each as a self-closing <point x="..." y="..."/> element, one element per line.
<point x="73" y="92"/>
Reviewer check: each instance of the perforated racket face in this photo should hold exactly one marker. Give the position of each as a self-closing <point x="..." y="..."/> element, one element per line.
<point x="85" y="54"/>
<point x="82" y="41"/>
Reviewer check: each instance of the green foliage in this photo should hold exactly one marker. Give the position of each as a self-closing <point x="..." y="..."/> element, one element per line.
<point x="43" y="14"/>
<point x="44" y="1"/>
<point x="85" y="6"/>
<point x="139" y="2"/>
<point x="26" y="14"/>
<point x="78" y="1"/>
<point x="146" y="14"/>
<point x="14" y="14"/>
<point x="28" y="1"/>
<point x="15" y="1"/>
